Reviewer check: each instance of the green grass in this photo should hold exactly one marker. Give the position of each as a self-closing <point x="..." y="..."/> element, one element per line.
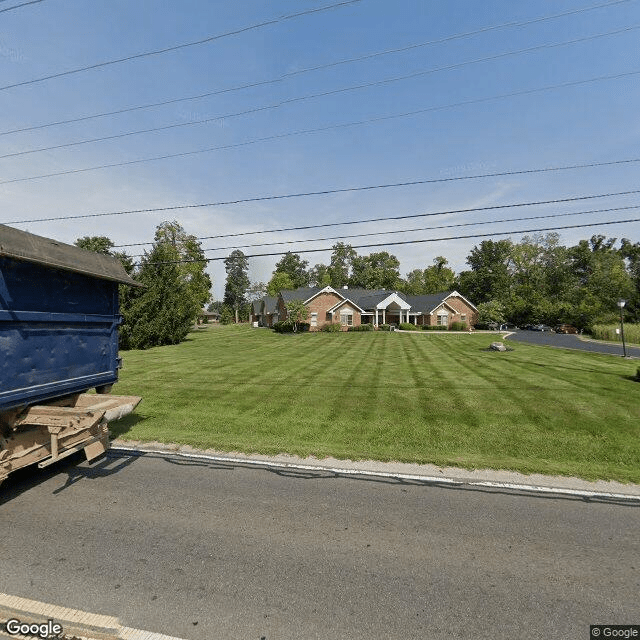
<point x="423" y="397"/>
<point x="608" y="332"/>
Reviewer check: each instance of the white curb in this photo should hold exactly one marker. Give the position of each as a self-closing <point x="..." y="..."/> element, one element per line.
<point x="77" y="624"/>
<point x="382" y="474"/>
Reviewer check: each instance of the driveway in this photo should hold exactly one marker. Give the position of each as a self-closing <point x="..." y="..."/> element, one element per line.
<point x="564" y="341"/>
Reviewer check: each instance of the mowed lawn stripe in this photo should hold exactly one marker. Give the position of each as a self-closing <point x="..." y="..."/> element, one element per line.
<point x="390" y="396"/>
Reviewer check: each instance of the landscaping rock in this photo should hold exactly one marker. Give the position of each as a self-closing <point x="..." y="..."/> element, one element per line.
<point x="497" y="346"/>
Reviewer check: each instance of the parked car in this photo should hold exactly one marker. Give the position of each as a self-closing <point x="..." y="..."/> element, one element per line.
<point x="565" y="328"/>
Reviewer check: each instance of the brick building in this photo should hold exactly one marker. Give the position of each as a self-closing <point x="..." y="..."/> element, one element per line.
<point x="352" y="307"/>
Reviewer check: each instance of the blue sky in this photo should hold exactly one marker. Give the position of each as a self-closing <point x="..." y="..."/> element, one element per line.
<point x="594" y="122"/>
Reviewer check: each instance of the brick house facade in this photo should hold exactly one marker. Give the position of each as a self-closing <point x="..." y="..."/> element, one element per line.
<point x="352" y="307"/>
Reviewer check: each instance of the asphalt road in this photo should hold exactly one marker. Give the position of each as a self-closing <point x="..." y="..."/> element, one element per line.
<point x="205" y="550"/>
<point x="567" y="341"/>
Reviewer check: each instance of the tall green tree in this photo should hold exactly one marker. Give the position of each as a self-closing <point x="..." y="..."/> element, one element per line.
<point x="434" y="279"/>
<point x="631" y="253"/>
<point x="319" y="276"/>
<point x="341" y="265"/>
<point x="192" y="263"/>
<point x="99" y="244"/>
<point x="295" y="267"/>
<point x="162" y="313"/>
<point x="280" y="281"/>
<point x="237" y="283"/>
<point x="490" y="275"/>
<point x="602" y="279"/>
<point x="379" y="270"/>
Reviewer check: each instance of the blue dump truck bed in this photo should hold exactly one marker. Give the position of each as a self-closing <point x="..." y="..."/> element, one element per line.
<point x="59" y="316"/>
<point x="59" y="322"/>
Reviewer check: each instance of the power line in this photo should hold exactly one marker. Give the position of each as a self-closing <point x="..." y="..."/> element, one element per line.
<point x="332" y="127"/>
<point x="356" y="87"/>
<point x="397" y="231"/>
<point x="316" y="68"/>
<point x="402" y="242"/>
<point x="177" y="47"/>
<point x="17" y="6"/>
<point x="389" y="185"/>
<point x="405" y="217"/>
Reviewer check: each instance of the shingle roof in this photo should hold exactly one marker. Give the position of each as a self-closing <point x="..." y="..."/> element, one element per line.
<point x="368" y="299"/>
<point x="425" y="304"/>
<point x="270" y="304"/>
<point x="24" y="246"/>
<point x="303" y="293"/>
<point x="365" y="298"/>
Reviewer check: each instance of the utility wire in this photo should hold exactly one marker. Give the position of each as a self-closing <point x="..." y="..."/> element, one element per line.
<point x="401" y="242"/>
<point x="332" y="127"/>
<point x="177" y="47"/>
<point x="315" y="68"/>
<point x="356" y="87"/>
<point x="396" y="231"/>
<point x="24" y="4"/>
<point x="405" y="217"/>
<point x="365" y="188"/>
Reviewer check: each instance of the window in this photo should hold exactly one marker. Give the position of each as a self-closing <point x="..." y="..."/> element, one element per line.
<point x="463" y="317"/>
<point x="314" y="319"/>
<point x="346" y="319"/>
<point x="443" y="318"/>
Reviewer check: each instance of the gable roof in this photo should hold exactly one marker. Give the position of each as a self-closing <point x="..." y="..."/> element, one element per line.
<point x="367" y="299"/>
<point x="345" y="301"/>
<point x="459" y="295"/>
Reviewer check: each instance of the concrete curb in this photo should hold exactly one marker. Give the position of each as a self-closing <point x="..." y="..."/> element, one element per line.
<point x="75" y="624"/>
<point x="429" y="474"/>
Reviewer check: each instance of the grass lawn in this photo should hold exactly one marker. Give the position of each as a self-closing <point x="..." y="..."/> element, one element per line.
<point x="422" y="397"/>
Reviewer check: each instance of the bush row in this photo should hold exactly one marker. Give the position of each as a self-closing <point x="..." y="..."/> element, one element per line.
<point x="362" y="327"/>
<point x="287" y="327"/>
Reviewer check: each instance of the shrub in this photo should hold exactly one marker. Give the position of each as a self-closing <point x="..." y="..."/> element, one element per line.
<point x="434" y="327"/>
<point x="288" y="327"/>
<point x="362" y="327"/>
<point x="407" y="326"/>
<point x="332" y="327"/>
<point x="384" y="327"/>
<point x="458" y="326"/>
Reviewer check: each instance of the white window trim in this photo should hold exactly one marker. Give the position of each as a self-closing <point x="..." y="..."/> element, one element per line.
<point x="346" y="319"/>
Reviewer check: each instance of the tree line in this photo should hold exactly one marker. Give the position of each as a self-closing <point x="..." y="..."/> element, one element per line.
<point x="536" y="280"/>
